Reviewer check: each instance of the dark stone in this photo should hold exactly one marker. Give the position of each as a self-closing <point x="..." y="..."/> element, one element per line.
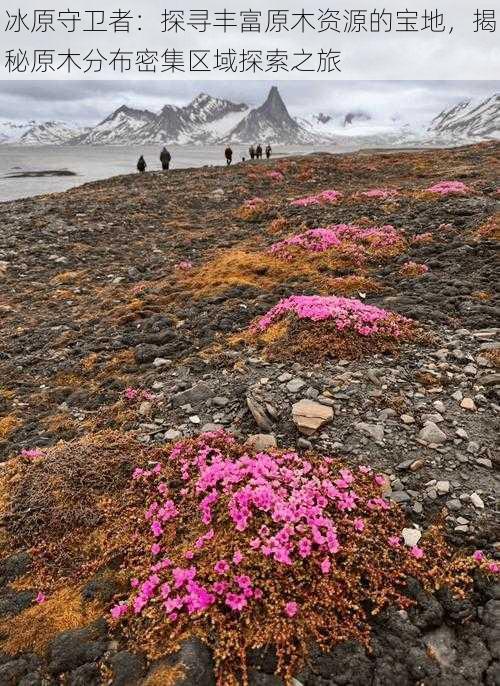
<point x="14" y="566"/>
<point x="261" y="679"/>
<point x="428" y="612"/>
<point x="196" y="661"/>
<point x="86" y="675"/>
<point x="76" y="647"/>
<point x="102" y="587"/>
<point x="346" y="665"/>
<point x="127" y="668"/>
<point x="263" y="659"/>
<point x="14" y="602"/>
<point x="195" y="394"/>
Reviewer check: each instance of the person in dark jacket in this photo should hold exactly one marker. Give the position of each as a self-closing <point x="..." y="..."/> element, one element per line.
<point x="268" y="151"/>
<point x="229" y="155"/>
<point x="258" y="152"/>
<point x="251" y="150"/>
<point x="165" y="158"/>
<point x="141" y="165"/>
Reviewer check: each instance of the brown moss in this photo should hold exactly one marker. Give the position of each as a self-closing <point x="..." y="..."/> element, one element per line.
<point x="493" y="356"/>
<point x="490" y="230"/>
<point x="34" y="628"/>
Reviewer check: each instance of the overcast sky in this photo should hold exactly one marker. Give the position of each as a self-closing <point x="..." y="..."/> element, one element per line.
<point x="88" y="102"/>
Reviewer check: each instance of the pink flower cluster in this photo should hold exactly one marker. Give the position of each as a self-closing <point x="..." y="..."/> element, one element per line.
<point x="323" y="198"/>
<point x="184" y="265"/>
<point x="346" y="313"/>
<point x="448" y="188"/>
<point x="31" y="454"/>
<point x="380" y="193"/>
<point x="138" y="394"/>
<point x="320" y="240"/>
<point x="282" y="507"/>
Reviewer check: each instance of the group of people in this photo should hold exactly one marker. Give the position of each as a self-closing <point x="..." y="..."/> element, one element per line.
<point x="254" y="152"/>
<point x="166" y="157"/>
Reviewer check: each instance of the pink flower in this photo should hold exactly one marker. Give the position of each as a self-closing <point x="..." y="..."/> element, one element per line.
<point x="326" y="566"/>
<point x="359" y="524"/>
<point x="237" y="557"/>
<point x="364" y="469"/>
<point x="189" y="554"/>
<point x="394" y="541"/>
<point x="478" y="555"/>
<point x="40" y="598"/>
<point x="134" y="582"/>
<point x="156" y="549"/>
<point x="494" y="567"/>
<point x="257" y="593"/>
<point x="291" y="609"/>
<point x="156" y="529"/>
<point x="380" y="479"/>
<point x="220" y="587"/>
<point x="236" y="601"/>
<point x="304" y="547"/>
<point x="119" y="610"/>
<point x="221" y="567"/>
<point x="417" y="552"/>
<point x="32" y="454"/>
<point x="243" y="581"/>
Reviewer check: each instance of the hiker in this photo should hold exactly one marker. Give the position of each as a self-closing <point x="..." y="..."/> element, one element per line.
<point x="141" y="165"/>
<point x="258" y="152"/>
<point x="165" y="158"/>
<point x="251" y="150"/>
<point x="229" y="155"/>
<point x="268" y="151"/>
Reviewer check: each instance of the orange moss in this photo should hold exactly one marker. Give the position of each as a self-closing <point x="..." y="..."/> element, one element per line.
<point x="165" y="675"/>
<point x="482" y="295"/>
<point x="493" y="356"/>
<point x="8" y="425"/>
<point x="68" y="278"/>
<point x="34" y="628"/>
<point x="348" y="285"/>
<point x="490" y="230"/>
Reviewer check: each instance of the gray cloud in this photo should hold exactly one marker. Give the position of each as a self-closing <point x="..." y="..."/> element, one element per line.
<point x="88" y="102"/>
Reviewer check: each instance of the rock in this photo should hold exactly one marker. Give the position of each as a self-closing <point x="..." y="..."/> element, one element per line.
<point x="210" y="427"/>
<point x="484" y="462"/>
<point x="416" y="465"/>
<point x="261" y="442"/>
<point x="411" y="537"/>
<point x="127" y="668"/>
<point x="13" y="602"/>
<point x="172" y="435"/>
<point x="259" y="413"/>
<point x="374" y="431"/>
<point x="400" y="497"/>
<point x="440" y="406"/>
<point x="458" y="395"/>
<point x="462" y="433"/>
<point x="443" y="487"/>
<point x="295" y="385"/>
<point x="14" y="566"/>
<point x="454" y="504"/>
<point x="309" y="416"/>
<point x="74" y="648"/>
<point x="490" y="379"/>
<point x="431" y="433"/>
<point x="220" y="401"/>
<point x="304" y="443"/>
<point x="145" y="408"/>
<point x="196" y="665"/>
<point x="283" y="378"/>
<point x="468" y="404"/>
<point x="477" y="501"/>
<point x="161" y="362"/>
<point x="407" y="419"/>
<point x="195" y="394"/>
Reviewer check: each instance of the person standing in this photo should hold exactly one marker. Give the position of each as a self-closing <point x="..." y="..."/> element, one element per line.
<point x="259" y="152"/>
<point x="165" y="158"/>
<point x="251" y="150"/>
<point x="229" y="155"/>
<point x="268" y="151"/>
<point x="141" y="165"/>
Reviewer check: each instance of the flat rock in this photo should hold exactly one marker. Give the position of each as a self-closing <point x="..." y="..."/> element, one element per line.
<point x="261" y="442"/>
<point x="411" y="537"/>
<point x="431" y="433"/>
<point x="309" y="416"/>
<point x="374" y="431"/>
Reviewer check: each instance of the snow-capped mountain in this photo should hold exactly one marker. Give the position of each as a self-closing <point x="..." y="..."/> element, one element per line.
<point x="49" y="133"/>
<point x="204" y="120"/>
<point x="119" y="127"/>
<point x="11" y="132"/>
<point x="270" y="123"/>
<point x="469" y="120"/>
<point x="38" y="133"/>
<point x="207" y="120"/>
